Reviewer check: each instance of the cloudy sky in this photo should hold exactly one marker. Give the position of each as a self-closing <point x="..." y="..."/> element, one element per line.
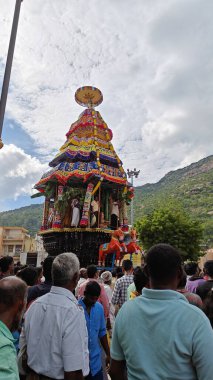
<point x="152" y="60"/>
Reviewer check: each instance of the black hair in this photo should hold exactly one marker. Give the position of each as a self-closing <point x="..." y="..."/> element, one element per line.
<point x="47" y="268"/>
<point x="29" y="275"/>
<point x="140" y="279"/>
<point x="11" y="292"/>
<point x="163" y="261"/>
<point x="208" y="268"/>
<point x="136" y="269"/>
<point x="91" y="271"/>
<point x="183" y="280"/>
<point x="92" y="289"/>
<point x="208" y="306"/>
<point x="127" y="265"/>
<point x="17" y="269"/>
<point x="39" y="270"/>
<point x="191" y="268"/>
<point x="116" y="271"/>
<point x="5" y="262"/>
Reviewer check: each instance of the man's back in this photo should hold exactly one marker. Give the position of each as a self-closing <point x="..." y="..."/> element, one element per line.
<point x="56" y="334"/>
<point x="119" y="295"/>
<point x="38" y="291"/>
<point x="170" y="339"/>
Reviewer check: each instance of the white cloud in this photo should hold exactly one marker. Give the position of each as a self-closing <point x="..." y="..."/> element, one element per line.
<point x="151" y="59"/>
<point x="19" y="172"/>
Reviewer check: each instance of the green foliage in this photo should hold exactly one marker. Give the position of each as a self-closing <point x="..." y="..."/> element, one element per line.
<point x="50" y="190"/>
<point x="190" y="187"/>
<point x="127" y="195"/>
<point x="170" y="224"/>
<point x="29" y="217"/>
<point x="69" y="193"/>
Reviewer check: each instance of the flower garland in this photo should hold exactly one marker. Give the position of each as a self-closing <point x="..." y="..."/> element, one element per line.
<point x="128" y="195"/>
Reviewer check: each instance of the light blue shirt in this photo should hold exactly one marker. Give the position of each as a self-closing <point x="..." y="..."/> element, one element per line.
<point x="56" y="335"/>
<point x="96" y="328"/>
<point x="162" y="337"/>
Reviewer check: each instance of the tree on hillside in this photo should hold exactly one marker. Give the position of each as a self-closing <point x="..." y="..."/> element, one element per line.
<point x="170" y="224"/>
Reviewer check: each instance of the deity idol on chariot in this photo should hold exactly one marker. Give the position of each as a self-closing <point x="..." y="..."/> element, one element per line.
<point x="86" y="190"/>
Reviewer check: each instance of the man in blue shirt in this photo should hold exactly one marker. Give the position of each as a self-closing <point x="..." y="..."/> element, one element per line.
<point x="96" y="326"/>
<point x="159" y="335"/>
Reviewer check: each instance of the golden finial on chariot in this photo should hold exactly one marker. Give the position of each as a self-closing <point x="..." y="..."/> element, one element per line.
<point x="88" y="96"/>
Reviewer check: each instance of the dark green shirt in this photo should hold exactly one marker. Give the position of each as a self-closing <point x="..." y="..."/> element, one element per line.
<point x="8" y="359"/>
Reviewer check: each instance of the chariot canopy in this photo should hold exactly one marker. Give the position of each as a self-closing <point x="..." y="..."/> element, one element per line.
<point x="86" y="183"/>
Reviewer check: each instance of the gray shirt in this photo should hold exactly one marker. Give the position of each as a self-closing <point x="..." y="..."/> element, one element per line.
<point x="56" y="335"/>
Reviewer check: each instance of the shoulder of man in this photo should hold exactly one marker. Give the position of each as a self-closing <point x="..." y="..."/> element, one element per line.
<point x="99" y="307"/>
<point x="7" y="351"/>
<point x="119" y="280"/>
<point x="5" y="342"/>
<point x="32" y="293"/>
<point x="192" y="313"/>
<point x="83" y="284"/>
<point x="102" y="286"/>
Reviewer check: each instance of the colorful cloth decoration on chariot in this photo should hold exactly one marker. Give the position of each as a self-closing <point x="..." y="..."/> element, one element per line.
<point x="87" y="201"/>
<point x="87" y="153"/>
<point x="86" y="167"/>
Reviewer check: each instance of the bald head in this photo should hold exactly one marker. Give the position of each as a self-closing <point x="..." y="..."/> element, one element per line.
<point x="12" y="290"/>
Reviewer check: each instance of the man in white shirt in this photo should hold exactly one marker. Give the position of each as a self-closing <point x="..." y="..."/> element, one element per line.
<point x="55" y="328"/>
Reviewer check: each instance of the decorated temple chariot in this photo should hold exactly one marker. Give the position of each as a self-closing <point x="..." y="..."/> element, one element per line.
<point x="86" y="190"/>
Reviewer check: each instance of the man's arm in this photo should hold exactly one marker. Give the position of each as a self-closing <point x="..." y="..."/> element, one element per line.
<point x="116" y="294"/>
<point x="103" y="335"/>
<point x="104" y="301"/>
<point x="105" y="345"/>
<point x="76" y="375"/>
<point x="117" y="370"/>
<point x="115" y="297"/>
<point x="74" y="356"/>
<point x="81" y="290"/>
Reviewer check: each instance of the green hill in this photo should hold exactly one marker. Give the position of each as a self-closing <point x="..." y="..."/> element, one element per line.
<point x="29" y="217"/>
<point x="192" y="186"/>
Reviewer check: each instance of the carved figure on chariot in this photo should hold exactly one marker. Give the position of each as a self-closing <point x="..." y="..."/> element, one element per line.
<point x="132" y="246"/>
<point x="116" y="247"/>
<point x="121" y="245"/>
<point x="86" y="190"/>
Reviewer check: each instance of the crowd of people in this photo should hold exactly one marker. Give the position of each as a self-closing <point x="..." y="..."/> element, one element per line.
<point x="60" y="321"/>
